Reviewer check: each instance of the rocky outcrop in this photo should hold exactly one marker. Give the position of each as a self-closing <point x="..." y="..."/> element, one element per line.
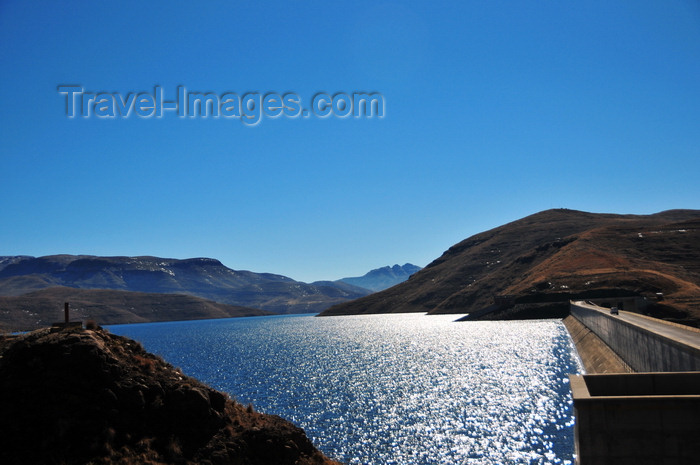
<point x="90" y="397"/>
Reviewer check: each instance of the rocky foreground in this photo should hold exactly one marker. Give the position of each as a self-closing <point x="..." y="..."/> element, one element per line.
<point x="90" y="397"/>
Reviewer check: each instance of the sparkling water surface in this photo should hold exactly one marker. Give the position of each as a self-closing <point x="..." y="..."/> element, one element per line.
<point x="391" y="389"/>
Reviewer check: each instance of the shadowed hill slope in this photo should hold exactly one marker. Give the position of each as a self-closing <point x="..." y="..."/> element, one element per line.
<point x="79" y="397"/>
<point x="41" y="308"/>
<point x="555" y="252"/>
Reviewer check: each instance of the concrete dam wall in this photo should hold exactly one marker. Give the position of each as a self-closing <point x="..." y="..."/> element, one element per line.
<point x="644" y="348"/>
<point x="649" y="417"/>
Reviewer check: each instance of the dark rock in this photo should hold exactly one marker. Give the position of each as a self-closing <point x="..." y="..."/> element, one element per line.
<point x="77" y="397"/>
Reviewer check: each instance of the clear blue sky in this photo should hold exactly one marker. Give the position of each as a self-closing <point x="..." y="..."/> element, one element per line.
<point x="494" y="110"/>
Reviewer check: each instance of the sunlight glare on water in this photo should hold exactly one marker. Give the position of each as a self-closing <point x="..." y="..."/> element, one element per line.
<point x="391" y="389"/>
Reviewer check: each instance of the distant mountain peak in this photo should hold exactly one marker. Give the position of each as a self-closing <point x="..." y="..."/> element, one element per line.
<point x="383" y="278"/>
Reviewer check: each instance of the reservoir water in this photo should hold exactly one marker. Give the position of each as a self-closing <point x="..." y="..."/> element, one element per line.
<point x="391" y="389"/>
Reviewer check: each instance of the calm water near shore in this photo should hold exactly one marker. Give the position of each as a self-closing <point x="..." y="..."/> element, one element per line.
<point x="391" y="389"/>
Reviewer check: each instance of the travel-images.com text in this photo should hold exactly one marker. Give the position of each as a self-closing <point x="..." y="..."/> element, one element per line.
<point x="250" y="107"/>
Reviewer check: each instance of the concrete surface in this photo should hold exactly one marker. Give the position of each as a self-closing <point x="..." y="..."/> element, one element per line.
<point x="637" y="419"/>
<point x="595" y="355"/>
<point x="645" y="344"/>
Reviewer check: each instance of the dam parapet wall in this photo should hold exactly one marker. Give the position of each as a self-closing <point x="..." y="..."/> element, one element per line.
<point x="642" y="348"/>
<point x="635" y="419"/>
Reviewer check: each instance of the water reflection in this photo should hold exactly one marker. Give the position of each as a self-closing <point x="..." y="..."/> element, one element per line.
<point x="392" y="389"/>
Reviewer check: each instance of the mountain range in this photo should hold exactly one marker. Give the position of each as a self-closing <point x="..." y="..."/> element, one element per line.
<point x="555" y="255"/>
<point x="537" y="262"/>
<point x="204" y="278"/>
<point x="115" y="290"/>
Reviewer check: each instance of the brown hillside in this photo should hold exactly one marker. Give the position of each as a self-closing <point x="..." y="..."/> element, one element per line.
<point x="555" y="252"/>
<point x="41" y="308"/>
<point x="89" y="397"/>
